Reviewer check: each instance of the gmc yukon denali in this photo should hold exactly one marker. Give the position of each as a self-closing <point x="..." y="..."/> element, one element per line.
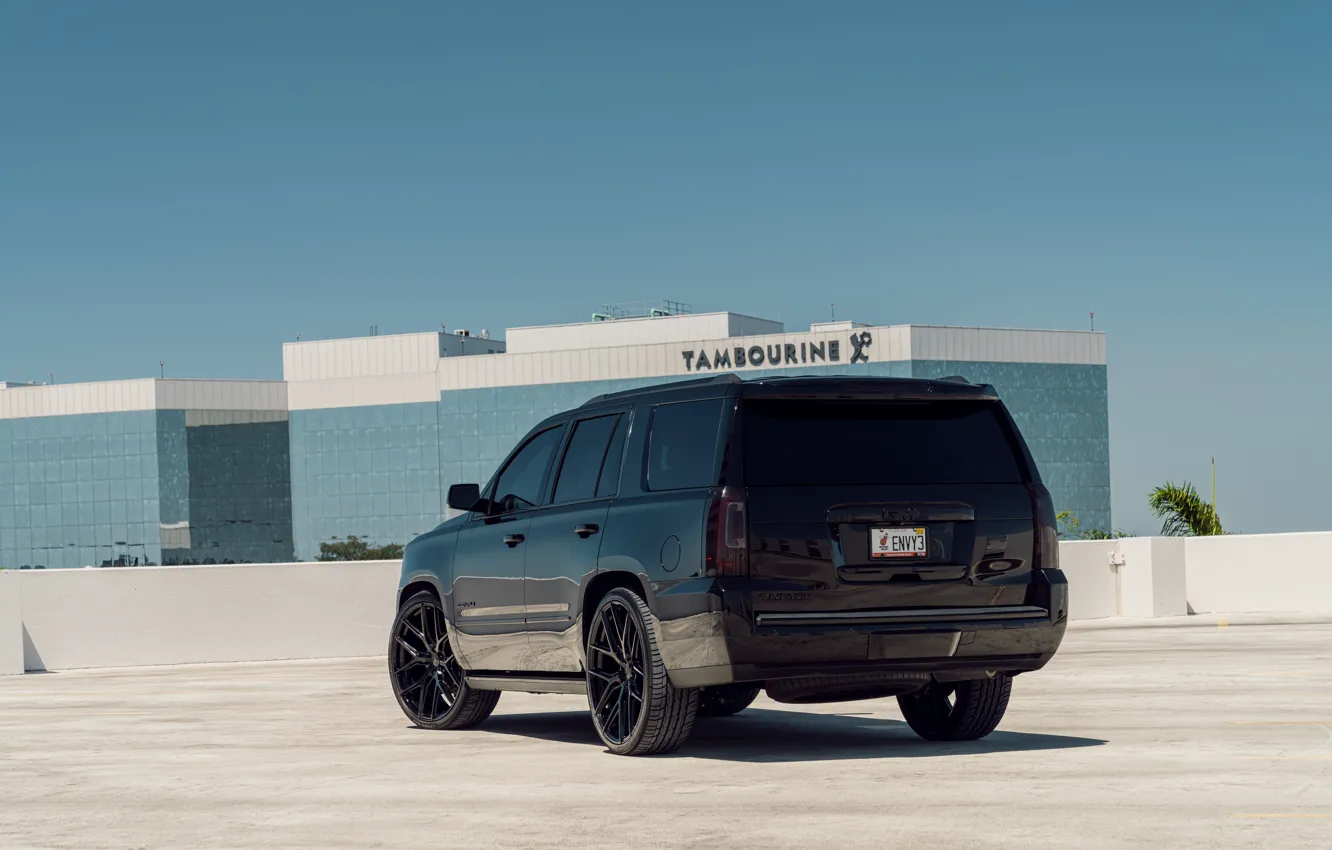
<point x="672" y="551"/>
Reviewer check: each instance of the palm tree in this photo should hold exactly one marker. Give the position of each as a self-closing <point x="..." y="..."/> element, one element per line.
<point x="1183" y="512"/>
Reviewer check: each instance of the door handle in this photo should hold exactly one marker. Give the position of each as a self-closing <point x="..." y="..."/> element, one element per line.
<point x="587" y="530"/>
<point x="512" y="540"/>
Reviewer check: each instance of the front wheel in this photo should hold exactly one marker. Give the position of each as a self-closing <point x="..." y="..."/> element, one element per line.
<point x="957" y="711"/>
<point x="635" y="708"/>
<point x="427" y="680"/>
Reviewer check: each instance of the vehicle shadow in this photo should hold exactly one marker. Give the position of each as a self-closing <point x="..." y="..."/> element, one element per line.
<point x="774" y="735"/>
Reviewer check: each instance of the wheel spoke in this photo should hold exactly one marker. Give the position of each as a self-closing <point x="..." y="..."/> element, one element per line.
<point x="411" y="650"/>
<point x="428" y="627"/>
<point x="608" y="634"/>
<point x="605" y="696"/>
<point x="634" y="646"/>
<point x="441" y="633"/>
<point x="420" y="701"/>
<point x="623" y="636"/>
<point x="425" y="642"/>
<point x="623" y="705"/>
<point x="603" y="651"/>
<point x="453" y="680"/>
<point x="409" y="665"/>
<point x="414" y="685"/>
<point x="609" y="680"/>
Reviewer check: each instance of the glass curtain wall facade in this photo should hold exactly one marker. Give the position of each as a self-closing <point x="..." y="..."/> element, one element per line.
<point x="144" y="487"/>
<point x="381" y="472"/>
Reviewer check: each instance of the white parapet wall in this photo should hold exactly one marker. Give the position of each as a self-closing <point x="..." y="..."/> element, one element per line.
<point x="1093" y="587"/>
<point x="1130" y="577"/>
<point x="11" y="624"/>
<point x="69" y="619"/>
<point x="1238" y="573"/>
<point x="179" y="615"/>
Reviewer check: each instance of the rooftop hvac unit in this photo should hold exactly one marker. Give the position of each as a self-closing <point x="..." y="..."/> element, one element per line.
<point x="462" y="332"/>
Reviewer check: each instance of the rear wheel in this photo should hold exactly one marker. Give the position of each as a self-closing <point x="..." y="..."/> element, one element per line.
<point x="427" y="680"/>
<point x="635" y="708"/>
<point x="725" y="700"/>
<point x="957" y="711"/>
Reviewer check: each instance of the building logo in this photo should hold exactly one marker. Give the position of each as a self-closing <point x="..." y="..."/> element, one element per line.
<point x="861" y="342"/>
<point x="780" y="354"/>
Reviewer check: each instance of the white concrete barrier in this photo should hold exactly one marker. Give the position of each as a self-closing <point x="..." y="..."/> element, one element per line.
<point x="176" y="615"/>
<point x="1093" y="584"/>
<point x="66" y="619"/>
<point x="1129" y="577"/>
<point x="1151" y="577"/>
<point x="1260" y="573"/>
<point x="11" y="624"/>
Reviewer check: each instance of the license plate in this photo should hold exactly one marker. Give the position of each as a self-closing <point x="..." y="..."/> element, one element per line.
<point x="898" y="543"/>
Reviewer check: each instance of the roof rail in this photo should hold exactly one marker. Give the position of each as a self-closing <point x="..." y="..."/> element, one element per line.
<point x="728" y="378"/>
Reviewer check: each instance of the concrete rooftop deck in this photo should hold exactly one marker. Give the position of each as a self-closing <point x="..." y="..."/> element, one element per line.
<point x="1201" y="736"/>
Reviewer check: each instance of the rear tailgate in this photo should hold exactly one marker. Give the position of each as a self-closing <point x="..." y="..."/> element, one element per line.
<point x="882" y="506"/>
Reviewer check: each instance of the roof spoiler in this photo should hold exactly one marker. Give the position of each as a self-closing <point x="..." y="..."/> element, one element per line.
<point x="988" y="389"/>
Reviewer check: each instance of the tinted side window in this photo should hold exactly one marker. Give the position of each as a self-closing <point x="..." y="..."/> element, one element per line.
<point x="519" y="485"/>
<point x="609" y="484"/>
<point x="583" y="459"/>
<point x="682" y="448"/>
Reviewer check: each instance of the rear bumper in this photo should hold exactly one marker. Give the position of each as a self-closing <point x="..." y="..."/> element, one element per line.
<point x="709" y="635"/>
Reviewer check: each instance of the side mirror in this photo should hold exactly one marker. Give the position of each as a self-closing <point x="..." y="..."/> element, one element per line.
<point x="463" y="497"/>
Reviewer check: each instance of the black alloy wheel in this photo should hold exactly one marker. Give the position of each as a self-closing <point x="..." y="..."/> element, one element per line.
<point x="616" y="671"/>
<point x="635" y="708"/>
<point x="427" y="679"/>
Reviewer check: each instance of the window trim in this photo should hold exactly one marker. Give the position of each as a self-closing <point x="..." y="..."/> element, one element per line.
<point x="629" y="422"/>
<point x="565" y="444"/>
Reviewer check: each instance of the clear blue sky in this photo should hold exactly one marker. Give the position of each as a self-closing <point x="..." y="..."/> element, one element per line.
<point x="198" y="182"/>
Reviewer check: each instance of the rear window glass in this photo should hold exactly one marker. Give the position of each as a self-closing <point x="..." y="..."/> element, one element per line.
<point x="804" y="442"/>
<point x="682" y="447"/>
<point x="583" y="459"/>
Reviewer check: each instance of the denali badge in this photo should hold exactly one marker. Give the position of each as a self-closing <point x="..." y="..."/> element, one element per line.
<point x="785" y="596"/>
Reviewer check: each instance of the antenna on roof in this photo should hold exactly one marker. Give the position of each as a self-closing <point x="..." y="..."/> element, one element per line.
<point x="1093" y="320"/>
<point x="832" y="312"/>
<point x="162" y="363"/>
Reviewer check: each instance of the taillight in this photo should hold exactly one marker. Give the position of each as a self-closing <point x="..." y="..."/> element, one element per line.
<point x="727" y="535"/>
<point x="1047" y="528"/>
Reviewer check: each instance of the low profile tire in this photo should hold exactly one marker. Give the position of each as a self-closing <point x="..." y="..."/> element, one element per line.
<point x="427" y="680"/>
<point x="957" y="711"/>
<point x="635" y="708"/>
<point x="725" y="700"/>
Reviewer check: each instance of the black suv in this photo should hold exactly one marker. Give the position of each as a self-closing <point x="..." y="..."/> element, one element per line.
<point x="671" y="551"/>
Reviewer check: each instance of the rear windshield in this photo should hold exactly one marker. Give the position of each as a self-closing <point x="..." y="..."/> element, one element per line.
<point x="820" y="442"/>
